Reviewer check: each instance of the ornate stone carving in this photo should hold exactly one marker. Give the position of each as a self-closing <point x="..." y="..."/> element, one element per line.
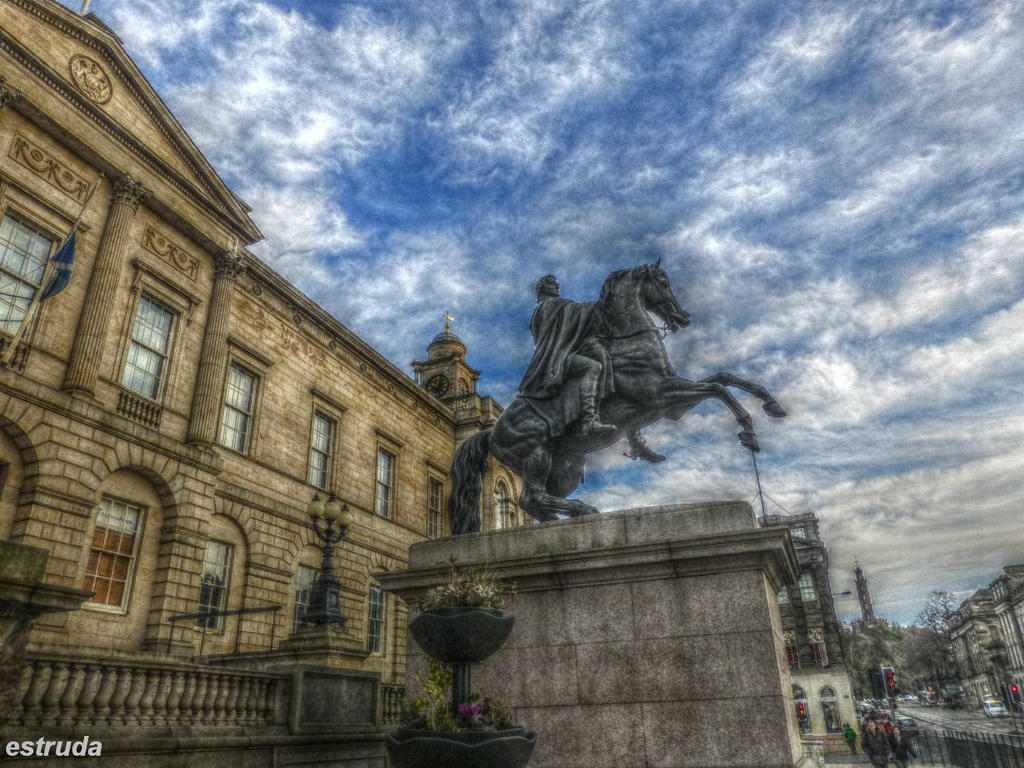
<point x="7" y="94"/>
<point x="129" y="191"/>
<point x="226" y="265"/>
<point x="91" y="78"/>
<point x="48" y="168"/>
<point x="177" y="257"/>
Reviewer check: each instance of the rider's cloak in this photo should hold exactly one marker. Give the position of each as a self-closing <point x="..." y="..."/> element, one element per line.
<point x="561" y="328"/>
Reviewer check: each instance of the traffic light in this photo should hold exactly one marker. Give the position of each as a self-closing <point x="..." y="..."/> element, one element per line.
<point x="1015" y="697"/>
<point x="801" y="711"/>
<point x="890" y="681"/>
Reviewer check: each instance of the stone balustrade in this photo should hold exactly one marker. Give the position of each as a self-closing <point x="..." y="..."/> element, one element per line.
<point x="97" y="695"/>
<point x="391" y="700"/>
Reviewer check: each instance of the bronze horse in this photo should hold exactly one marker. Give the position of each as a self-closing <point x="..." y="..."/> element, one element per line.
<point x="535" y="437"/>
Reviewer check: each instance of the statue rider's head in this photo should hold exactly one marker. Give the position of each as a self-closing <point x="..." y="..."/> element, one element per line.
<point x="547" y="286"/>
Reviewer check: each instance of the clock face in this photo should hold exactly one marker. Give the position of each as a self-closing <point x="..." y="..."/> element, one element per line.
<point x="438" y="385"/>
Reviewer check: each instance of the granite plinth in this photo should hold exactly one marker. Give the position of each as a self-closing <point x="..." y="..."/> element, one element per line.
<point x="643" y="637"/>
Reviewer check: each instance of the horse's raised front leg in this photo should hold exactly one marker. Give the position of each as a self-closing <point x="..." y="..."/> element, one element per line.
<point x="536" y="500"/>
<point x="681" y="395"/>
<point x="769" y="404"/>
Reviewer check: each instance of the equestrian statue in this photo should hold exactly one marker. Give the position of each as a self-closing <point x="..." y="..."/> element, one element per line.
<point x="600" y="373"/>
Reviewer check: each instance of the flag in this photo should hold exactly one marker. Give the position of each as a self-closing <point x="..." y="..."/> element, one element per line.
<point x="63" y="260"/>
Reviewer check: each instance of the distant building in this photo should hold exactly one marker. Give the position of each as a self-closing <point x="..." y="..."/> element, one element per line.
<point x="822" y="693"/>
<point x="867" y="613"/>
<point x="986" y="637"/>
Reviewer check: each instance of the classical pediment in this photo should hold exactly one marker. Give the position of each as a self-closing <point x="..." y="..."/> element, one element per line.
<point x="81" y="62"/>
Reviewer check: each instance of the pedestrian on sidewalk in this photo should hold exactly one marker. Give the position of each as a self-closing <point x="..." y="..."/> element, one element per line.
<point x="875" y="744"/>
<point x="851" y="738"/>
<point x="902" y="749"/>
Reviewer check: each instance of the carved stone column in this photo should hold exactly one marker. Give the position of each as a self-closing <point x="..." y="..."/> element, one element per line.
<point x="94" y="322"/>
<point x="202" y="426"/>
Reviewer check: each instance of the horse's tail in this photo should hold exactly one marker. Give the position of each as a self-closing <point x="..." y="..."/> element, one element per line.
<point x="468" y="467"/>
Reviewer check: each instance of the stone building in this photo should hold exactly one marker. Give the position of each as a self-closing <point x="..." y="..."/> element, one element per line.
<point x="166" y="418"/>
<point x="986" y="638"/>
<point x="822" y="693"/>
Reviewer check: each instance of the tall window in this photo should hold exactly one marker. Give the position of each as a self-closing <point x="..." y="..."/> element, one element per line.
<point x="830" y="709"/>
<point x="385" y="482"/>
<point x="816" y="637"/>
<point x="303" y="588"/>
<point x="433" y="507"/>
<point x="808" y="592"/>
<point x="792" y="650"/>
<point x="147" y="355"/>
<point x="783" y="596"/>
<point x="375" y="621"/>
<point x="213" y="589"/>
<point x="115" y="540"/>
<point x="239" y="400"/>
<point x="320" y="450"/>
<point x="23" y="255"/>
<point x="502" y="508"/>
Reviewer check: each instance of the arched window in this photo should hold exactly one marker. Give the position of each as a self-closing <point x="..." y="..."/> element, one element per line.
<point x="502" y="507"/>
<point x="830" y="709"/>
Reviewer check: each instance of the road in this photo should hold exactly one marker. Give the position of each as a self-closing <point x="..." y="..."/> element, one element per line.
<point x="961" y="719"/>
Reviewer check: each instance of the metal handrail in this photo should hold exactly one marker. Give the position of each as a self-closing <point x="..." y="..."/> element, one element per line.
<point x="239" y="612"/>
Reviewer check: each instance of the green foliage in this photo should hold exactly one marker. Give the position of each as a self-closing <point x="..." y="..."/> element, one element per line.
<point x="472" y="588"/>
<point x="432" y="711"/>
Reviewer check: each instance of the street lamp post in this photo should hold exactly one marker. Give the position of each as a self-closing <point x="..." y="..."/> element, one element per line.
<point x="330" y="521"/>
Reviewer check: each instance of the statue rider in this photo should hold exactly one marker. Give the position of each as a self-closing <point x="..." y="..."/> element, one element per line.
<point x="566" y="350"/>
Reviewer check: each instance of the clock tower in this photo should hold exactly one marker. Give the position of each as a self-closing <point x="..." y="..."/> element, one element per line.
<point x="445" y="373"/>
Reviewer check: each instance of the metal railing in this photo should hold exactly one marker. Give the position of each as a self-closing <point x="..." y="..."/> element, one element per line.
<point x="969" y="749"/>
<point x="239" y="612"/>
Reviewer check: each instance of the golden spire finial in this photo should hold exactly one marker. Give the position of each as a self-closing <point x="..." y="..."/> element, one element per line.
<point x="448" y="322"/>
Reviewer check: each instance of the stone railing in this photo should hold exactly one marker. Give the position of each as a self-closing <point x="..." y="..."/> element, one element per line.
<point x="116" y="694"/>
<point x="391" y="701"/>
<point x="18" y="359"/>
<point x="139" y="409"/>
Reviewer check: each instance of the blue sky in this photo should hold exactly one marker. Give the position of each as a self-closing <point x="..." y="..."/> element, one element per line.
<point x="836" y="190"/>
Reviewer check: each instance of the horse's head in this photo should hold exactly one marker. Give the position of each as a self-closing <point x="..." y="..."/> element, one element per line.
<point x="658" y="298"/>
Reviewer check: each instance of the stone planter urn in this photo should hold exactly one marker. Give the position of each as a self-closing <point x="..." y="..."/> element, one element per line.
<point x="460" y="636"/>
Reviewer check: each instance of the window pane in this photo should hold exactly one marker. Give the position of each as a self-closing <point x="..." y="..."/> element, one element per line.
<point x="808" y="592"/>
<point x="320" y="450"/>
<point x="238" y="400"/>
<point x="375" y="621"/>
<point x="433" y="507"/>
<point x="112" y="554"/>
<point x="385" y="463"/>
<point x="23" y="256"/>
<point x="303" y="587"/>
<point x="213" y="588"/>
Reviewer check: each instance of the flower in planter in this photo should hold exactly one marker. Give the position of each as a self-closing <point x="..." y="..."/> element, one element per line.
<point x="476" y="588"/>
<point x="432" y="711"/>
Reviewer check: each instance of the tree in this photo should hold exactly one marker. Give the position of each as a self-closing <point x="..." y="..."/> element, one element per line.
<point x="929" y="648"/>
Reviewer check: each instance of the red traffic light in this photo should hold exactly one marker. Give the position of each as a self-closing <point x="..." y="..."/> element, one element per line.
<point x="890" y="675"/>
<point x="1014" y="689"/>
<point x="800" y="711"/>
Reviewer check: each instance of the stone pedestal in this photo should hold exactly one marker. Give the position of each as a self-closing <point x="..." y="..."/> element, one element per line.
<point x="23" y="596"/>
<point x="644" y="637"/>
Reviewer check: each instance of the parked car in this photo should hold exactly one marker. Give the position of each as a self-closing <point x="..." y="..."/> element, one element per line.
<point x="995" y="708"/>
<point x="907" y="724"/>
